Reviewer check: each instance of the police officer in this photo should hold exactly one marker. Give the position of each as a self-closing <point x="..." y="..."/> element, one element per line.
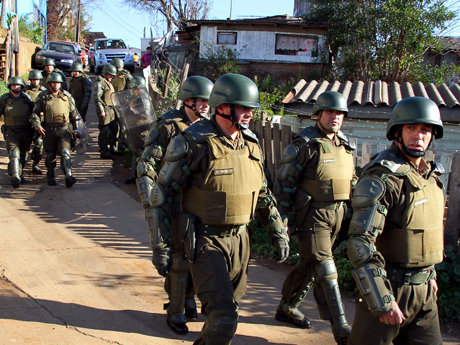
<point x="103" y="90"/>
<point x="80" y="88"/>
<point x="33" y="90"/>
<point x="59" y="111"/>
<point x="16" y="109"/>
<point x="217" y="164"/>
<point x="50" y="66"/>
<point x="316" y="174"/>
<point x="194" y="93"/>
<point x="396" y="233"/>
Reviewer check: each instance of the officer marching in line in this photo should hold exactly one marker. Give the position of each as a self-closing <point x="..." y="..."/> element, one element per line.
<point x="80" y="88"/>
<point x="49" y="66"/>
<point x="33" y="90"/>
<point x="16" y="109"/>
<point x="194" y="93"/>
<point x="59" y="111"/>
<point x="217" y="165"/>
<point x="316" y="174"/>
<point x="108" y="125"/>
<point x="396" y="233"/>
<point x="120" y="82"/>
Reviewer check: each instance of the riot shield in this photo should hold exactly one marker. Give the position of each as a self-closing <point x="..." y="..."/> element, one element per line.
<point x="81" y="139"/>
<point x="136" y="111"/>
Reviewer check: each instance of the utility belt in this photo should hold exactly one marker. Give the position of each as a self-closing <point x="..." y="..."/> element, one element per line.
<point x="329" y="205"/>
<point x="410" y="276"/>
<point x="216" y="230"/>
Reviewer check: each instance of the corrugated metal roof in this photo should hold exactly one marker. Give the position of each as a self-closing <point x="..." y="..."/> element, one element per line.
<point x="377" y="93"/>
<point x="283" y="19"/>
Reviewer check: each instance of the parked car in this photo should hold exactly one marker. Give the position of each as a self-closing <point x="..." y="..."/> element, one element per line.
<point x="64" y="54"/>
<point x="105" y="49"/>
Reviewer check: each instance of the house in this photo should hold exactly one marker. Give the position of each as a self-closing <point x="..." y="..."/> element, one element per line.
<point x="370" y="106"/>
<point x="280" y="46"/>
<point x="36" y="8"/>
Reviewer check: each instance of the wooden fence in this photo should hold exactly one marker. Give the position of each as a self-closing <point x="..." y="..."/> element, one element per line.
<point x="275" y="137"/>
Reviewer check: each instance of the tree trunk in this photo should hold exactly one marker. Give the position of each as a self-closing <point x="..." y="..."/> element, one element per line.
<point x="2" y="16"/>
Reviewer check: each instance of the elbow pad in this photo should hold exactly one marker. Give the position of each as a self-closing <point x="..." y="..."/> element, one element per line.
<point x="289" y="162"/>
<point x="173" y="170"/>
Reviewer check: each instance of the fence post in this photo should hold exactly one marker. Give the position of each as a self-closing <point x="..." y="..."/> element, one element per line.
<point x="355" y="152"/>
<point x="268" y="147"/>
<point x="446" y="161"/>
<point x="276" y="148"/>
<point x="366" y="153"/>
<point x="451" y="230"/>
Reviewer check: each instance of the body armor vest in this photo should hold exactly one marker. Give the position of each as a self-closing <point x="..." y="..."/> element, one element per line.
<point x="231" y="187"/>
<point x="77" y="87"/>
<point x="108" y="90"/>
<point x="17" y="113"/>
<point x="119" y="82"/>
<point x="333" y="174"/>
<point x="34" y="92"/>
<point x="57" y="110"/>
<point x="420" y="240"/>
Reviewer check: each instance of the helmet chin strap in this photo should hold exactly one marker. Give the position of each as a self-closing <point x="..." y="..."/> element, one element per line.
<point x="55" y="89"/>
<point x="193" y="108"/>
<point x="408" y="151"/>
<point x="232" y="118"/>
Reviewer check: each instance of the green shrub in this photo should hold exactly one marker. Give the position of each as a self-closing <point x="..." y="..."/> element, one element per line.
<point x="3" y="88"/>
<point x="448" y="281"/>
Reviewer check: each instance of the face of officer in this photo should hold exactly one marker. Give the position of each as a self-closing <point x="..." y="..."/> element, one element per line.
<point x="201" y="105"/>
<point x="55" y="86"/>
<point x="417" y="136"/>
<point x="109" y="77"/>
<point x="331" y="120"/>
<point x="15" y="88"/>
<point x="75" y="74"/>
<point x="34" y="82"/>
<point x="243" y="114"/>
<point x="49" y="68"/>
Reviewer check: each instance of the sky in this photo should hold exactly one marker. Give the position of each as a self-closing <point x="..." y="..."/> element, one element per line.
<point x="117" y="20"/>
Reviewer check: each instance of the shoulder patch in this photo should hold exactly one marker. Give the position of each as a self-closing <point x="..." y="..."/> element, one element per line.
<point x="172" y="115"/>
<point x="308" y="133"/>
<point x="153" y="135"/>
<point x="389" y="160"/>
<point x="248" y="134"/>
<point x="201" y="130"/>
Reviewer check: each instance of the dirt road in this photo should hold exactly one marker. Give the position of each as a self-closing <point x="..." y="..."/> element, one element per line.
<point x="75" y="268"/>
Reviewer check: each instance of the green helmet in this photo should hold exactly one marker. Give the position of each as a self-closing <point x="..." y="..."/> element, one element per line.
<point x="109" y="69"/>
<point x="117" y="62"/>
<point x="76" y="67"/>
<point x="415" y="110"/>
<point x="54" y="77"/>
<point x="196" y="87"/>
<point x="136" y="82"/>
<point x="16" y="81"/>
<point x="234" y="89"/>
<point x="35" y="74"/>
<point x="331" y="100"/>
<point x="48" y="62"/>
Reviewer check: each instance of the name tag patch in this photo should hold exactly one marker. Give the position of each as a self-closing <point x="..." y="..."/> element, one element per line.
<point x="330" y="160"/>
<point x="219" y="172"/>
<point x="9" y="108"/>
<point x="420" y="202"/>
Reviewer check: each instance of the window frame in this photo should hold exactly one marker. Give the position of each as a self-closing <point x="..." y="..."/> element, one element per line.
<point x="233" y="33"/>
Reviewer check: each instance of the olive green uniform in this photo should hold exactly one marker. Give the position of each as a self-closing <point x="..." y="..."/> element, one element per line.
<point x="169" y="125"/>
<point x="59" y="112"/>
<point x="396" y="238"/>
<point x="16" y="112"/>
<point x="317" y="175"/>
<point x="43" y="82"/>
<point x="121" y="82"/>
<point x="223" y="186"/>
<point x="80" y="89"/>
<point x="103" y="90"/>
<point x="37" y="152"/>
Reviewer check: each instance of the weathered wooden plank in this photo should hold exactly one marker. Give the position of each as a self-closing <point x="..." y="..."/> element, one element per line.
<point x="451" y="230"/>
<point x="286" y="136"/>
<point x="366" y="153"/>
<point x="381" y="147"/>
<point x="355" y="152"/>
<point x="260" y="134"/>
<point x="268" y="148"/>
<point x="446" y="161"/>
<point x="276" y="147"/>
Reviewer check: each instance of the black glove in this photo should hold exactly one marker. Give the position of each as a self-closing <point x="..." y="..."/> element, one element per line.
<point x="162" y="260"/>
<point x="282" y="249"/>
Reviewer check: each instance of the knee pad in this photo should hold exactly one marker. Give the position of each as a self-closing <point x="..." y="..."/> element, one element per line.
<point x="65" y="154"/>
<point x="326" y="270"/>
<point x="14" y="153"/>
<point x="220" y="326"/>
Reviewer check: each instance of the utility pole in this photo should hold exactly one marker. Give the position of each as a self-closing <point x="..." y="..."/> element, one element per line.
<point x="77" y="27"/>
<point x="231" y="7"/>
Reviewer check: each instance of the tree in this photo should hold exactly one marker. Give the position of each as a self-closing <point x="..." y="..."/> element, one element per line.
<point x="30" y="28"/>
<point x="173" y="12"/>
<point x="380" y="39"/>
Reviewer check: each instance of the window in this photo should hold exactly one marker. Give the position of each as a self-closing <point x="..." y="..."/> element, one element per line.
<point x="296" y="45"/>
<point x="226" y="38"/>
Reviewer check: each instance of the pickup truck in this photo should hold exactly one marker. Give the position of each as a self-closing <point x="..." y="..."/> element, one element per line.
<point x="105" y="49"/>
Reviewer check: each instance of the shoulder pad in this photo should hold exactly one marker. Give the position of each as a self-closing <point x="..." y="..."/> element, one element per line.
<point x="42" y="88"/>
<point x="438" y="169"/>
<point x="389" y="160"/>
<point x="308" y="133"/>
<point x="153" y="135"/>
<point x="99" y="78"/>
<point x="248" y="134"/>
<point x="67" y="93"/>
<point x="368" y="191"/>
<point x="25" y="95"/>
<point x="5" y="96"/>
<point x="172" y="115"/>
<point x="177" y="149"/>
<point x="201" y="130"/>
<point x="289" y="153"/>
<point x="344" y="138"/>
